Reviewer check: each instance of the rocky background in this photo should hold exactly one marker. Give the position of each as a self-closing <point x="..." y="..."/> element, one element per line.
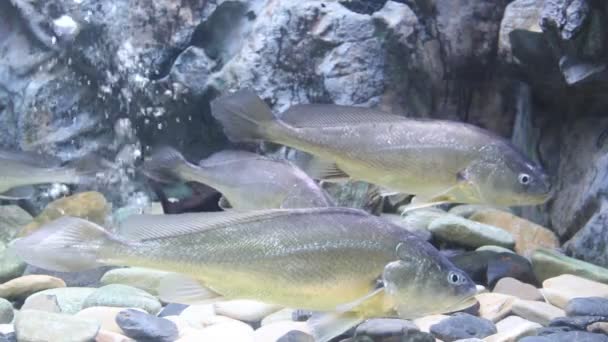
<point x="118" y="77"/>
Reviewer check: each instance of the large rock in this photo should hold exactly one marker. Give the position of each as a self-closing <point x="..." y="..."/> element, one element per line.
<point x="513" y="328"/>
<point x="123" y="296"/>
<point x="22" y="287"/>
<point x="462" y="326"/>
<point x="35" y="326"/>
<point x="535" y="311"/>
<point x="69" y="299"/>
<point x="455" y="229"/>
<point x="141" y="278"/>
<point x="548" y="264"/>
<point x="560" y="290"/>
<point x="589" y="306"/>
<point x="494" y="306"/>
<point x="142" y="326"/>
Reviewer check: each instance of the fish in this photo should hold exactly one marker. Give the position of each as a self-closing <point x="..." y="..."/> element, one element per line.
<point x="344" y="262"/>
<point x="247" y="181"/>
<point x="20" y="171"/>
<point x="438" y="161"/>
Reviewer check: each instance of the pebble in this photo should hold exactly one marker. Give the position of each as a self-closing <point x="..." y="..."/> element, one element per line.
<point x="297" y="336"/>
<point x="384" y="327"/>
<point x="11" y="337"/>
<point x="221" y="332"/>
<point x="145" y="327"/>
<point x="181" y="324"/>
<point x="514" y="287"/>
<point x="495" y="249"/>
<point x="245" y="310"/>
<point x="548" y="264"/>
<point x="11" y="265"/>
<point x="123" y="296"/>
<point x="535" y="311"/>
<point x="571" y="336"/>
<point x="561" y="289"/>
<point x="466" y="210"/>
<point x="109" y="336"/>
<point x="462" y="326"/>
<point x="598" y="327"/>
<point x="455" y="229"/>
<point x="494" y="306"/>
<point x="552" y="330"/>
<point x="7" y="328"/>
<point x="279" y="316"/>
<point x="6" y="311"/>
<point x="44" y="302"/>
<point x="528" y="236"/>
<point x="425" y="323"/>
<point x="26" y="285"/>
<point x="577" y="322"/>
<point x="87" y="278"/>
<point x="13" y="218"/>
<point x="274" y="331"/>
<point x="69" y="299"/>
<point x="511" y="265"/>
<point x="589" y="306"/>
<point x="139" y="277"/>
<point x="104" y="315"/>
<point x="513" y="328"/>
<point x="172" y="309"/>
<point x="198" y="316"/>
<point x="36" y="326"/>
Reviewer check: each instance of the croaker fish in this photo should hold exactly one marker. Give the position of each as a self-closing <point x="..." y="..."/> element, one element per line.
<point x="321" y="259"/>
<point x="246" y="180"/>
<point x="20" y="170"/>
<point x="438" y="161"/>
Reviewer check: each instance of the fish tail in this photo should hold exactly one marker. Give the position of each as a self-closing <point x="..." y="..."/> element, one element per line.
<point x="163" y="163"/>
<point x="244" y="115"/>
<point x="67" y="244"/>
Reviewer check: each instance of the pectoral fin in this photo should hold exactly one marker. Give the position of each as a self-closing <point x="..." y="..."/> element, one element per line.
<point x="177" y="288"/>
<point x="325" y="170"/>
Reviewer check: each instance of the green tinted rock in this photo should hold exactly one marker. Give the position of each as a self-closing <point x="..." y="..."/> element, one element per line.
<point x="141" y="278"/>
<point x="13" y="218"/>
<point x="6" y="311"/>
<point x="123" y="296"/>
<point x="69" y="299"/>
<point x="548" y="264"/>
<point x="458" y="230"/>
<point x="36" y="326"/>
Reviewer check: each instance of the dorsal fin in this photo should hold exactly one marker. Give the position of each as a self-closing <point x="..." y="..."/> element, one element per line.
<point x="324" y="115"/>
<point x="149" y="227"/>
<point x="229" y="156"/>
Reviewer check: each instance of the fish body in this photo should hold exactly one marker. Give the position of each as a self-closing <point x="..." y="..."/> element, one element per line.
<point x="432" y="159"/>
<point x="316" y="259"/>
<point x="247" y="180"/>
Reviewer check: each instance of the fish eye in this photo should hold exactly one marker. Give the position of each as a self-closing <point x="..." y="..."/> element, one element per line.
<point x="524" y="178"/>
<point x="454" y="278"/>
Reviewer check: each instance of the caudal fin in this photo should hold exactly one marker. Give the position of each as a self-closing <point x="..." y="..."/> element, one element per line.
<point x="243" y="114"/>
<point x="162" y="164"/>
<point x="67" y="244"/>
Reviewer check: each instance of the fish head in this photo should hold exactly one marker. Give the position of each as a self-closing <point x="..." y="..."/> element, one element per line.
<point x="423" y="282"/>
<point x="508" y="178"/>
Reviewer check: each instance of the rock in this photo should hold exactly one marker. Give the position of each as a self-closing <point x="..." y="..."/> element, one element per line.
<point x="520" y="30"/>
<point x="494" y="306"/>
<point x="528" y="236"/>
<point x="598" y="327"/>
<point x="172" y="309"/>
<point x="275" y="331"/>
<point x="141" y="278"/>
<point x="245" y="310"/>
<point x="509" y="265"/>
<point x="142" y="326"/>
<point x="279" y="316"/>
<point x="416" y="222"/>
<point x="577" y="322"/>
<point x="109" y="336"/>
<point x="26" y="285"/>
<point x="590" y="306"/>
<point x="69" y="299"/>
<point x="475" y="264"/>
<point x="11" y="265"/>
<point x="467" y="210"/>
<point x="6" y="311"/>
<point x="514" y="287"/>
<point x="35" y="326"/>
<point x="300" y="315"/>
<point x="465" y="232"/>
<point x="425" y="323"/>
<point x="13" y="219"/>
<point x="548" y="264"/>
<point x="545" y="331"/>
<point x="589" y="242"/>
<point x="182" y="325"/>
<point x="226" y="331"/>
<point x="380" y="328"/>
<point x="123" y="296"/>
<point x="198" y="316"/>
<point x="296" y="336"/>
<point x="88" y="278"/>
<point x="560" y="290"/>
<point x="513" y="328"/>
<point x="104" y="315"/>
<point x="462" y="326"/>
<point x="535" y="311"/>
<point x="90" y="205"/>
<point x="495" y="249"/>
<point x="10" y="337"/>
<point x="578" y="336"/>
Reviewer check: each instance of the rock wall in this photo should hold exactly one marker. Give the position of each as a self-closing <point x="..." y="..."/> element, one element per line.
<point x="119" y="76"/>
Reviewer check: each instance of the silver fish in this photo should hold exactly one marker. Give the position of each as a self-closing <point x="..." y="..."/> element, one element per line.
<point x="438" y="161"/>
<point x="246" y="180"/>
<point x="322" y="259"/>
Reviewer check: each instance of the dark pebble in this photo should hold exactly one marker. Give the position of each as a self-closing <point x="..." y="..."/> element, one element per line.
<point x="461" y="326"/>
<point x="10" y="337"/>
<point x="577" y="322"/>
<point x="389" y="330"/>
<point x="88" y="278"/>
<point x="589" y="306"/>
<point x="296" y="336"/>
<point x="553" y="330"/>
<point x="571" y="336"/>
<point x="172" y="309"/>
<point x="510" y="265"/>
<point x="145" y="327"/>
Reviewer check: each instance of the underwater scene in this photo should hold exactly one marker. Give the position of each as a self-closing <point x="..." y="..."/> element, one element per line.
<point x="303" y="170"/>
